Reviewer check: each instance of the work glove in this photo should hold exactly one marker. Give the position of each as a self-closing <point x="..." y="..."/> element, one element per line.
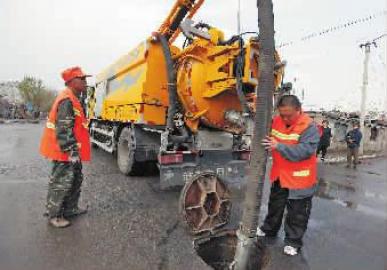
<point x="74" y="157"/>
<point x="269" y="143"/>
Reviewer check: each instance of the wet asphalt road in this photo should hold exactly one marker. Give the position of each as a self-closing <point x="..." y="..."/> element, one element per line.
<point x="133" y="225"/>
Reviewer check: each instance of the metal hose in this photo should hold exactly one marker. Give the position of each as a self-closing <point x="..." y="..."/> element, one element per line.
<point x="172" y="89"/>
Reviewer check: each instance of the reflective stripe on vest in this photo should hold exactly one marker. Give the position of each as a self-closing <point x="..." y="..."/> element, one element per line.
<point x="50" y="125"/>
<point x="285" y="137"/>
<point x="77" y="112"/>
<point x="303" y="173"/>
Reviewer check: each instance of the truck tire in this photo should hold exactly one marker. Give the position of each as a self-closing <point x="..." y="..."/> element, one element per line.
<point x="125" y="153"/>
<point x="94" y="146"/>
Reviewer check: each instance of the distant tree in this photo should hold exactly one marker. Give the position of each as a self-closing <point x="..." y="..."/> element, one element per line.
<point x="47" y="99"/>
<point x="31" y="90"/>
<point x="34" y="93"/>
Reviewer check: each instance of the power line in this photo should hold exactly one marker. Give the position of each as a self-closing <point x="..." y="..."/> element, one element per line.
<point x="336" y="28"/>
<point x="372" y="41"/>
<point x="379" y="37"/>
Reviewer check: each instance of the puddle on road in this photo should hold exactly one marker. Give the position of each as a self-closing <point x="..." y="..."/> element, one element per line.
<point x="373" y="173"/>
<point x="332" y="190"/>
<point x="371" y="211"/>
<point x="347" y="196"/>
<point x="4" y="169"/>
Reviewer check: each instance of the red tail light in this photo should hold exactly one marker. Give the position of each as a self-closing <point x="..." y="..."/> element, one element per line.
<point x="245" y="156"/>
<point x="171" y="159"/>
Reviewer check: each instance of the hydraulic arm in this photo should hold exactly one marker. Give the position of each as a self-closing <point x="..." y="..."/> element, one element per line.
<point x="182" y="9"/>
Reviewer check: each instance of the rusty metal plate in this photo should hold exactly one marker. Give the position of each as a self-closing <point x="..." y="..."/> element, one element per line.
<point x="205" y="203"/>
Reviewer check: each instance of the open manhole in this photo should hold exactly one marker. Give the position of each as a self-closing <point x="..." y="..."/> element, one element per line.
<point x="218" y="251"/>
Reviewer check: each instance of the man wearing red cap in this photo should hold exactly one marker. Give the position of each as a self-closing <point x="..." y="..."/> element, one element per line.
<point x="66" y="142"/>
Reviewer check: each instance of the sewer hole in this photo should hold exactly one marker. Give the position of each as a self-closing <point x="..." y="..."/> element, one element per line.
<point x="218" y="251"/>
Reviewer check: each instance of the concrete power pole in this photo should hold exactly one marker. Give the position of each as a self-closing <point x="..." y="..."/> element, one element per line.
<point x="367" y="51"/>
<point x="385" y="87"/>
<point x="239" y="17"/>
<point x="246" y="248"/>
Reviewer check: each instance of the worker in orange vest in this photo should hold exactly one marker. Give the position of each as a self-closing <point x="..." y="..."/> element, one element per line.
<point x="66" y="142"/>
<point x="293" y="143"/>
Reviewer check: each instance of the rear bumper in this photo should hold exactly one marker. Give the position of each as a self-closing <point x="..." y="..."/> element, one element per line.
<point x="224" y="163"/>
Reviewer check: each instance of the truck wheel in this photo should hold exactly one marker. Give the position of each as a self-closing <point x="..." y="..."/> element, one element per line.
<point x="125" y="153"/>
<point x="94" y="146"/>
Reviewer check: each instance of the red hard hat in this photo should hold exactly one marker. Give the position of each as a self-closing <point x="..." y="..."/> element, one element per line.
<point x="72" y="73"/>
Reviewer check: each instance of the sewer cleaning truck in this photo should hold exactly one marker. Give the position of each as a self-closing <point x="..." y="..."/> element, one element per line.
<point x="187" y="110"/>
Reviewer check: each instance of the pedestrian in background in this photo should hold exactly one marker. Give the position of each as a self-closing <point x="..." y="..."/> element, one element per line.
<point x="293" y="142"/>
<point x="325" y="139"/>
<point x="66" y="142"/>
<point x="374" y="132"/>
<point x="353" y="140"/>
<point x="319" y="127"/>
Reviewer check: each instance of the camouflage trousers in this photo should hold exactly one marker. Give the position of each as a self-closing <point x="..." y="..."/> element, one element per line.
<point x="64" y="188"/>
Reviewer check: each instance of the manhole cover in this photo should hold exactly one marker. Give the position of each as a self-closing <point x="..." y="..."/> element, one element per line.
<point x="205" y="203"/>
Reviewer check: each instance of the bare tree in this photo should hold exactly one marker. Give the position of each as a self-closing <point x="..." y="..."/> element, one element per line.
<point x="33" y="92"/>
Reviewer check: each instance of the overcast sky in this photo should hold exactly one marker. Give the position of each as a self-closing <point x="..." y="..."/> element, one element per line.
<point x="43" y="37"/>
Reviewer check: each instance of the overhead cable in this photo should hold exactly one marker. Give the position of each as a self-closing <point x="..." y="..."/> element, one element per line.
<point x="336" y="28"/>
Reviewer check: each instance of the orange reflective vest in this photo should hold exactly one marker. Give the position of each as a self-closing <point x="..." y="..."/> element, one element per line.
<point x="49" y="146"/>
<point x="292" y="175"/>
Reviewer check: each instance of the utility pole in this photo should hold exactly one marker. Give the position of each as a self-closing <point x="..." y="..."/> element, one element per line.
<point x="385" y="98"/>
<point x="239" y="18"/>
<point x="367" y="51"/>
<point x="385" y="87"/>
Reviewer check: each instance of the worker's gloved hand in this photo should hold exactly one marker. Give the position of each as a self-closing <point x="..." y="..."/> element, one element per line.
<point x="269" y="143"/>
<point x="74" y="157"/>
